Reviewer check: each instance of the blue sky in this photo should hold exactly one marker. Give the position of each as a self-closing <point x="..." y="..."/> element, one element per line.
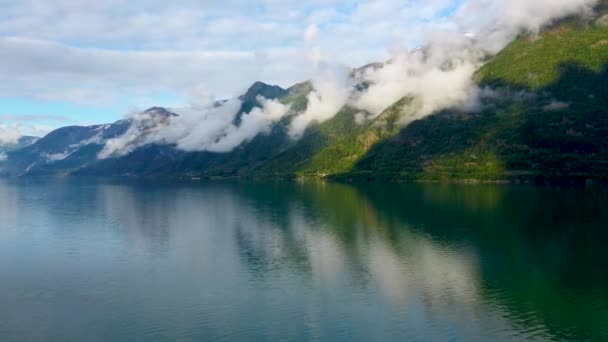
<point x="79" y="62"/>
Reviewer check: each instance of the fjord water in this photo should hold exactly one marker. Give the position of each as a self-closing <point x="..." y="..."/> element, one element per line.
<point x="108" y="261"/>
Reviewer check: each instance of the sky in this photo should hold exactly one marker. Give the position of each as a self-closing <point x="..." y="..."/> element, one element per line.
<point x="68" y="62"/>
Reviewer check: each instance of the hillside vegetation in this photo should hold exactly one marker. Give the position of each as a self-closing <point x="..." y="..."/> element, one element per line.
<point x="547" y="119"/>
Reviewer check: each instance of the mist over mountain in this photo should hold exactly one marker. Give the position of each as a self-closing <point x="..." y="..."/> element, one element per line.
<point x="17" y="144"/>
<point x="519" y="94"/>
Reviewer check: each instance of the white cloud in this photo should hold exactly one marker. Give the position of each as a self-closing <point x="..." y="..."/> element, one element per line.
<point x="35" y="117"/>
<point x="79" y="74"/>
<point x="423" y="74"/>
<point x="203" y="126"/>
<point x="143" y="129"/>
<point x="9" y="134"/>
<point x="93" y="53"/>
<point x="211" y="128"/>
<point x="258" y="121"/>
<point x="13" y="127"/>
<point x="311" y="33"/>
<point x="53" y="157"/>
<point x="332" y="88"/>
<point x="506" y="19"/>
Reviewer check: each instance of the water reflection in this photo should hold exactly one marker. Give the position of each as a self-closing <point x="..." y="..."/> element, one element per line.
<point x="303" y="261"/>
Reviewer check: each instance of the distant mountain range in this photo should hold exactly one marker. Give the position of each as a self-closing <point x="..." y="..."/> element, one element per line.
<point x="547" y="120"/>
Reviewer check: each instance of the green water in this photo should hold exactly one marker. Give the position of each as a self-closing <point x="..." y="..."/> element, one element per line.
<point x="108" y="261"/>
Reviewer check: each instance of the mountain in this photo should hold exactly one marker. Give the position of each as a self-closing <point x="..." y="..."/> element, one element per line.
<point x="61" y="151"/>
<point x="68" y="149"/>
<point x="250" y="98"/>
<point x="549" y="119"/>
<point x="164" y="160"/>
<point x="76" y="149"/>
<point x="545" y="118"/>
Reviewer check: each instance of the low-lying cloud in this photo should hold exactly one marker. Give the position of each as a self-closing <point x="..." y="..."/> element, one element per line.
<point x="214" y="129"/>
<point x="9" y="134"/>
<point x="199" y="127"/>
<point x="13" y="127"/>
<point x="331" y="89"/>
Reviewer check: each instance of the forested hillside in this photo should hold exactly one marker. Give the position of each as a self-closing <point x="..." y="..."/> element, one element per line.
<point x="547" y="117"/>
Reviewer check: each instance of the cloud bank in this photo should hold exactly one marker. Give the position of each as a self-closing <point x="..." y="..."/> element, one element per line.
<point x="331" y="89"/>
<point x="199" y="127"/>
<point x="11" y="132"/>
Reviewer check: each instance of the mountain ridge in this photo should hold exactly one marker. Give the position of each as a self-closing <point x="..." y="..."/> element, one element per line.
<point x="546" y="119"/>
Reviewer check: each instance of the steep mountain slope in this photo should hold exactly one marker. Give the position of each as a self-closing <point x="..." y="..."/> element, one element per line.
<point x="334" y="146"/>
<point x="547" y="118"/>
<point x="62" y="150"/>
<point x="68" y="149"/>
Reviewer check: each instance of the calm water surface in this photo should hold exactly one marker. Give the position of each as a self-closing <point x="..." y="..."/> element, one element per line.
<point x="103" y="261"/>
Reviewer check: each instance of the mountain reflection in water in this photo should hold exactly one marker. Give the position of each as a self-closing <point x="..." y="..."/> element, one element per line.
<point x="136" y="260"/>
